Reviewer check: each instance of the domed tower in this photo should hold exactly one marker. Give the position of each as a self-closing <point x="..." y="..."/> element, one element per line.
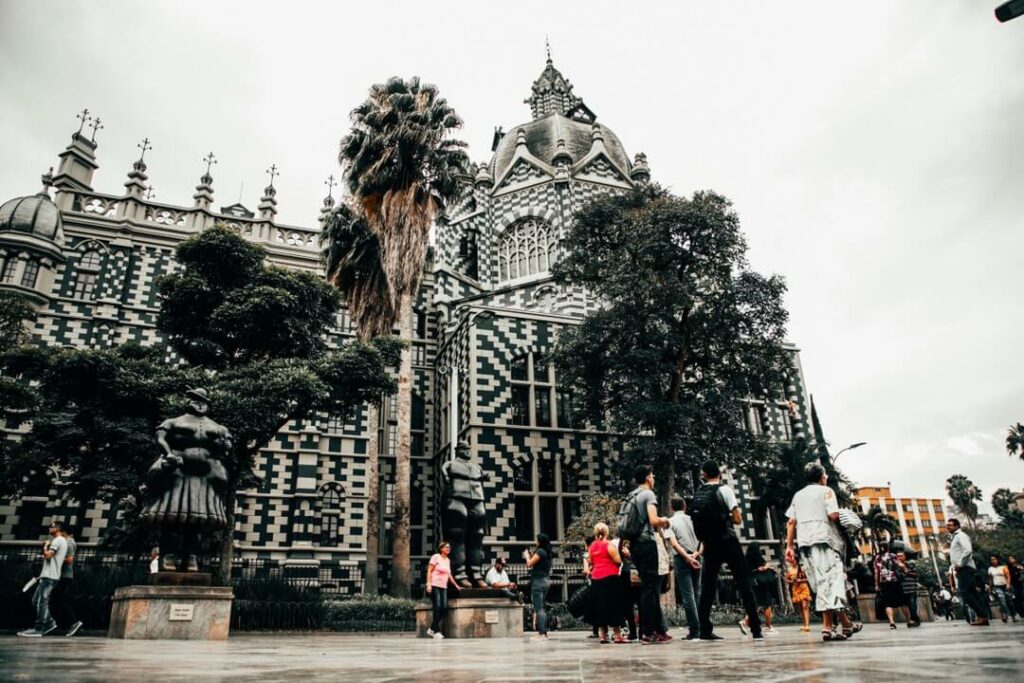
<point x="31" y="238"/>
<point x="541" y="173"/>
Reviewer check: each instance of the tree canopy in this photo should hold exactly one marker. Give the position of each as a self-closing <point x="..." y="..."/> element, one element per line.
<point x="255" y="336"/>
<point x="964" y="495"/>
<point x="686" y="334"/>
<point x="1015" y="440"/>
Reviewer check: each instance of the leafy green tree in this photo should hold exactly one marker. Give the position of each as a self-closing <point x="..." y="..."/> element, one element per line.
<point x="1015" y="440"/>
<point x="964" y="495"/>
<point x="258" y="333"/>
<point x="401" y="169"/>
<point x="594" y="508"/>
<point x="686" y="334"/>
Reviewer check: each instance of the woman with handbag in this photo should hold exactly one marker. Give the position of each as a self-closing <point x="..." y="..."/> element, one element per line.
<point x="605" y="598"/>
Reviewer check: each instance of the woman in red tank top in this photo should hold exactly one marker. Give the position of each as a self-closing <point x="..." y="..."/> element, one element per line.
<point x="606" y="603"/>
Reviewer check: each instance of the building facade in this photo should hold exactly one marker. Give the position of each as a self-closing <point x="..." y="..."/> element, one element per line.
<point x="921" y="521"/>
<point x="486" y="318"/>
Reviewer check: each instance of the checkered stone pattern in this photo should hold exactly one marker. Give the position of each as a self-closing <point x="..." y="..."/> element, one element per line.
<point x="522" y="173"/>
<point x="115" y="269"/>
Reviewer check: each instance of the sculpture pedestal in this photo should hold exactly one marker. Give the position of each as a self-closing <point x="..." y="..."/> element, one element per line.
<point x="171" y="612"/>
<point x="475" y="617"/>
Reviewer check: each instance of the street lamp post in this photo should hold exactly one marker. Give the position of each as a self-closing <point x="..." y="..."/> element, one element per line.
<point x="848" y="448"/>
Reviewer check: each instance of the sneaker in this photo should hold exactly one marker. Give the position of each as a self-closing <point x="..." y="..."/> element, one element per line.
<point x="30" y="633"/>
<point x="744" y="627"/>
<point x="50" y="629"/>
<point x="430" y="633"/>
<point x="648" y="640"/>
<point x="771" y="631"/>
<point x="692" y="636"/>
<point x="663" y="638"/>
<point x="75" y="627"/>
<point x="710" y="637"/>
<point x="758" y="637"/>
<point x="438" y="636"/>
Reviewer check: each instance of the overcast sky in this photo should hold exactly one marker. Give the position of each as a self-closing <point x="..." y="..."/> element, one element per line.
<point x="874" y="151"/>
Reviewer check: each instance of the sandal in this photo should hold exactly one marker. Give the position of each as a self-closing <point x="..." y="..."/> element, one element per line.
<point x="827" y="635"/>
<point x="619" y="640"/>
<point x="604" y="641"/>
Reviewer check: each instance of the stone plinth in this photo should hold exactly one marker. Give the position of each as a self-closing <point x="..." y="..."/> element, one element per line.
<point x="171" y="612"/>
<point x="866" y="604"/>
<point x="475" y="618"/>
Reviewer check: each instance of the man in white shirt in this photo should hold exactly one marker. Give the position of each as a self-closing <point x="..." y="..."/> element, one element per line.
<point x="686" y="563"/>
<point x="812" y="528"/>
<point x="961" y="561"/>
<point x="497" y="577"/>
<point x="54" y="552"/>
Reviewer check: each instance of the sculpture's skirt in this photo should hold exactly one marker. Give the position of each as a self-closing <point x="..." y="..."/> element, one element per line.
<point x="190" y="501"/>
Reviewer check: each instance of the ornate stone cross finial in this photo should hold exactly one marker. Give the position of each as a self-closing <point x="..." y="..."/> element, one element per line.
<point x="272" y="171"/>
<point x="149" y="193"/>
<point x="97" y="124"/>
<point x="210" y="161"/>
<point x="144" y="145"/>
<point x="330" y="185"/>
<point x="84" y="118"/>
<point x="547" y="47"/>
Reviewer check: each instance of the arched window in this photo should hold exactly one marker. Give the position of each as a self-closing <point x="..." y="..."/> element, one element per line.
<point x="87" y="270"/>
<point x="527" y="247"/>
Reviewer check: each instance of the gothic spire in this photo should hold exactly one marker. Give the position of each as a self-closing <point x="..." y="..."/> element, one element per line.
<point x="552" y="93"/>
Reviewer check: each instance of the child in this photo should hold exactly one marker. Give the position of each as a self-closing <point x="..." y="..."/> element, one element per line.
<point x="800" y="592"/>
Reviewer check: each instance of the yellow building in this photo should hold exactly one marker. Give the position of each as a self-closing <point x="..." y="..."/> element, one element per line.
<point x="919" y="518"/>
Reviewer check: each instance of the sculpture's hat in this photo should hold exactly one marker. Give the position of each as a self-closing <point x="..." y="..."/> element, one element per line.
<point x="199" y="394"/>
<point x="463" y="444"/>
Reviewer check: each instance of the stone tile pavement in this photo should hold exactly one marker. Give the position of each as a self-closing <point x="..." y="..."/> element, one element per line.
<point x="935" y="652"/>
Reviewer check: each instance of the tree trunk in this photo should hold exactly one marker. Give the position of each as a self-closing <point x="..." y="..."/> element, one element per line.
<point x="400" y="561"/>
<point x="222" y="577"/>
<point x="664" y="484"/>
<point x="371" y="584"/>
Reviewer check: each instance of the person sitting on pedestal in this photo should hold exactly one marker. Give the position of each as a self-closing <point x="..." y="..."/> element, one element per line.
<point x="497" y="577"/>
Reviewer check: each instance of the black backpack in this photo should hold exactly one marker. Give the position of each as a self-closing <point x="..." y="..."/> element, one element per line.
<point x="710" y="518"/>
<point x="629" y="520"/>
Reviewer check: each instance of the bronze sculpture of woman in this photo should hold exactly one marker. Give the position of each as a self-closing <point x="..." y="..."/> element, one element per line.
<point x="186" y="486"/>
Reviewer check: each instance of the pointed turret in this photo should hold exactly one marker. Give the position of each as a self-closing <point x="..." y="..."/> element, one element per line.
<point x="204" y="190"/>
<point x="78" y="160"/>
<point x="552" y="94"/>
<point x="268" y="202"/>
<point x="136" y="183"/>
<point x="641" y="172"/>
<point x="328" y="206"/>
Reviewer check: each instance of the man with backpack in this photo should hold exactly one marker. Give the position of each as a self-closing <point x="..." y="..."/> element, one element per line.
<point x="715" y="515"/>
<point x="639" y="523"/>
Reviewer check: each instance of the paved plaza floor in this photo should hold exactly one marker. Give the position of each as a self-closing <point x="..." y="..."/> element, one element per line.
<point x="937" y="651"/>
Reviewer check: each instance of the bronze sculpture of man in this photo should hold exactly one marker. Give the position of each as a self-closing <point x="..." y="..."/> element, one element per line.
<point x="186" y="486"/>
<point x="465" y="517"/>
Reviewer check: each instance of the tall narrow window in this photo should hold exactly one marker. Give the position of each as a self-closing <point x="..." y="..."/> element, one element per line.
<point x="547" y="498"/>
<point x="7" y="276"/>
<point x="527" y="247"/>
<point x="31" y="274"/>
<point x="86" y="271"/>
<point x="533" y="391"/>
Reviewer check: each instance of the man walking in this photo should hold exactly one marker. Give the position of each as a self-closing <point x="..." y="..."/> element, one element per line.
<point x="54" y="552"/>
<point x="715" y="517"/>
<point x="962" y="565"/>
<point x="63" y="594"/>
<point x="644" y="552"/>
<point x="686" y="564"/>
<point x="811" y="528"/>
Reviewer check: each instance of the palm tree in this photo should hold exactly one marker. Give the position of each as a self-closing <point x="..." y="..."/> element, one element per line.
<point x="964" y="493"/>
<point x="877" y="523"/>
<point x="1015" y="440"/>
<point x="401" y="170"/>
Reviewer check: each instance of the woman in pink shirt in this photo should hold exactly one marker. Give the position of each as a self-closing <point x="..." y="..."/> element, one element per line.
<point x="606" y="601"/>
<point x="439" y="575"/>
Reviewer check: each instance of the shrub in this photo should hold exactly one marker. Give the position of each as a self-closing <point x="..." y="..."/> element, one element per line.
<point x="372" y="613"/>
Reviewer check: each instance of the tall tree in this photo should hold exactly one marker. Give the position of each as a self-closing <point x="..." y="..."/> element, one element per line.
<point x="401" y="169"/>
<point x="964" y="495"/>
<point x="877" y="524"/>
<point x="1003" y="504"/>
<point x="1015" y="440"/>
<point x="15" y="314"/>
<point x="686" y="334"/>
<point x="259" y="333"/>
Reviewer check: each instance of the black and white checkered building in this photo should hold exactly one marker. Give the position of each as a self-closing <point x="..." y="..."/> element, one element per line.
<point x="487" y="315"/>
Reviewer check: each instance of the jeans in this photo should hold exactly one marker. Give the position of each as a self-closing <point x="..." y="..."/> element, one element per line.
<point x="971" y="597"/>
<point x="439" y="601"/>
<point x="716" y="553"/>
<point x="1005" y="601"/>
<point x="645" y="558"/>
<point x="41" y="600"/>
<point x="61" y="598"/>
<point x="687" y="590"/>
<point x="538" y="592"/>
